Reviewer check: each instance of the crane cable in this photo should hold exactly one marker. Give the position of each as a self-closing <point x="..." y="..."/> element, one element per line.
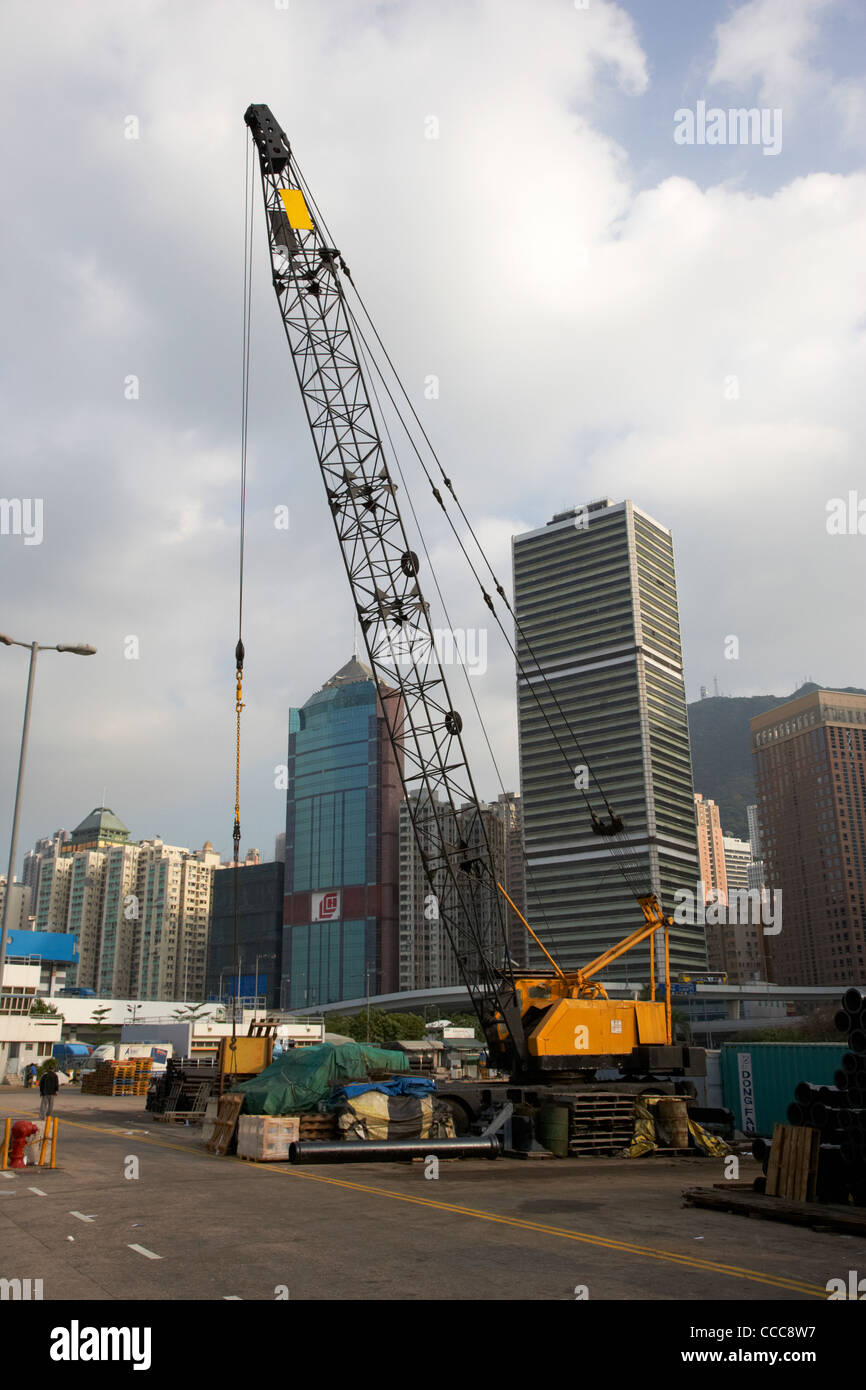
<point x="249" y="206"/>
<point x="447" y="482"/>
<point x="623" y="844"/>
<point x="615" y="829"/>
<point x="371" y="366"/>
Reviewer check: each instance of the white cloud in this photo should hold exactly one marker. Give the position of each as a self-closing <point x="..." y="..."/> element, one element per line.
<point x="771" y="42"/>
<point x="582" y="331"/>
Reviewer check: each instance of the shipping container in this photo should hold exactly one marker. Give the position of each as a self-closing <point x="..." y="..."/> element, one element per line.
<point x="758" y="1079"/>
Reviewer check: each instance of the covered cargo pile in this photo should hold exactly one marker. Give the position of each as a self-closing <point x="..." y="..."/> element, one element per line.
<point x="301" y="1078"/>
<point x="402" y="1108"/>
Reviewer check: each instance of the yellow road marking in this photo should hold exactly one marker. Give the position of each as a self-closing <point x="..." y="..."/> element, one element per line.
<point x="562" y="1233"/>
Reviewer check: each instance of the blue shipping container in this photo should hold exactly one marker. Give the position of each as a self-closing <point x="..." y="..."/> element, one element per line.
<point x="758" y="1079"/>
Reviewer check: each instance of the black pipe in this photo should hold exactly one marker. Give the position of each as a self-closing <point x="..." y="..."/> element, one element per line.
<point x="853" y="999"/>
<point x="857" y="1041"/>
<point x="842" y="1020"/>
<point x="385" y="1150"/>
<point x="797" y="1114"/>
<point x="760" y="1149"/>
<point x="856" y="1096"/>
<point x="840" y="1078"/>
<point x="851" y="1063"/>
<point x="805" y="1092"/>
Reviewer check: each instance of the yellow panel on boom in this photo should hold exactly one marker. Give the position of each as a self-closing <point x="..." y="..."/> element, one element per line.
<point x="296" y="209"/>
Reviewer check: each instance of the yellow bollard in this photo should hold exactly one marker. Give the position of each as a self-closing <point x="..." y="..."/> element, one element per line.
<point x="49" y="1121"/>
<point x="53" y="1142"/>
<point x="7" y="1128"/>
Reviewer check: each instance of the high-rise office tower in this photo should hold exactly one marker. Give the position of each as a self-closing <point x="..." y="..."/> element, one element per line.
<point x="595" y="594"/>
<point x="741" y="933"/>
<point x="427" y="958"/>
<point x="341" y="937"/>
<point x="810" y="757"/>
<point x="255" y="971"/>
<point x="711" y="849"/>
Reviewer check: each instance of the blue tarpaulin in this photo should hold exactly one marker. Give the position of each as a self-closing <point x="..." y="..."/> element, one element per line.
<point x="397" y="1086"/>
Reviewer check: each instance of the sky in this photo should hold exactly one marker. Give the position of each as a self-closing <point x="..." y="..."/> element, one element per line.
<point x="610" y="305"/>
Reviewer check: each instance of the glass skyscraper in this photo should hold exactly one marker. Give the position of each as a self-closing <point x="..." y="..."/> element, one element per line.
<point x="340" y="932"/>
<point x="595" y="592"/>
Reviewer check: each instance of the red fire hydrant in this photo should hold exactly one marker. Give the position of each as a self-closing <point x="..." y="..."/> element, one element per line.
<point x="22" y="1131"/>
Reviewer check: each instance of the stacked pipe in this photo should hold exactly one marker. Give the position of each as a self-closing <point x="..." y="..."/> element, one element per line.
<point x="838" y="1112"/>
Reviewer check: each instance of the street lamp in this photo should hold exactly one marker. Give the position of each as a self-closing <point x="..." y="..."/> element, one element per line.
<point x="269" y="956"/>
<point x="79" y="649"/>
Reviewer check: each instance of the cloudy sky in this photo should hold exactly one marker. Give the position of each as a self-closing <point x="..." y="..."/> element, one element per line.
<point x="608" y="310"/>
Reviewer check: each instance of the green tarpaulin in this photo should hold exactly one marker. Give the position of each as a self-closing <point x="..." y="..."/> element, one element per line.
<point x="302" y="1076"/>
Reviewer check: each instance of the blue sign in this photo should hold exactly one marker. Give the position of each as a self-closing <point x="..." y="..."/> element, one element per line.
<point x="679" y="988"/>
<point x="47" y="945"/>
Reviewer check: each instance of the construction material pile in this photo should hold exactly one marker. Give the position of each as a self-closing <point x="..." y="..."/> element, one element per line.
<point x="118" y="1078"/>
<point x="184" y="1088"/>
<point x="836" y="1115"/>
<point x="301" y="1078"/>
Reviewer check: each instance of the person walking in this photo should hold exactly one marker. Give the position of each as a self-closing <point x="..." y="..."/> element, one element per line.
<point x="48" y="1088"/>
<point x="30" y="1074"/>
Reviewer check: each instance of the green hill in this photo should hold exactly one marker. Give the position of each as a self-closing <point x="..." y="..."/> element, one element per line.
<point x="722" y="760"/>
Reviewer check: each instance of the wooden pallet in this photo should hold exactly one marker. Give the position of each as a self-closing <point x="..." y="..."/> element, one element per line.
<point x="819" y="1215"/>
<point x="225" y="1125"/>
<point x="793" y="1168"/>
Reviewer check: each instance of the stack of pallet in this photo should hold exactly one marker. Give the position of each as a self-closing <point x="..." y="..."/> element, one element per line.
<point x="318" y="1126"/>
<point x="118" y="1078"/>
<point x="600" y="1124"/>
<point x="184" y="1089"/>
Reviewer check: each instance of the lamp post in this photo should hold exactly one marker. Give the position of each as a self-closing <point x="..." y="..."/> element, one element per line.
<point x="263" y="956"/>
<point x="79" y="649"/>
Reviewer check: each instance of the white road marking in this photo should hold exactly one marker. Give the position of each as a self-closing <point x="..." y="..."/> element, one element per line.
<point x="81" y="1216"/>
<point x="38" y="1191"/>
<point x="142" y="1251"/>
<point x="10" y="1176"/>
<point x="232" y="1298"/>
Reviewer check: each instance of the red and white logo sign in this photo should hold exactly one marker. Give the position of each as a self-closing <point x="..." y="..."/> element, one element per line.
<point x="326" y="906"/>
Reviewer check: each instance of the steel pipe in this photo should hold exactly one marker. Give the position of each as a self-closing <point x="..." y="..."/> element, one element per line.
<point x="390" y="1150"/>
<point x="853" y="1000"/>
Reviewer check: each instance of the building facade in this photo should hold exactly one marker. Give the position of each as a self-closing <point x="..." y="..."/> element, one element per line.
<point x="711" y="849"/>
<point x="596" y="599"/>
<point x="810" y="759"/>
<point x="427" y="958"/>
<point x="260" y="935"/>
<point x="341" y="930"/>
<point x="140" y="911"/>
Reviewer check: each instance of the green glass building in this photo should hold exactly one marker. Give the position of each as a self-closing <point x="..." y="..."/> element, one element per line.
<point x="595" y="593"/>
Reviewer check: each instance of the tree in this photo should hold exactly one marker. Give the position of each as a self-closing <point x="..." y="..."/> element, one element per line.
<point x="41" y="1007"/>
<point x="192" y="1012"/>
<point x="99" y="1016"/>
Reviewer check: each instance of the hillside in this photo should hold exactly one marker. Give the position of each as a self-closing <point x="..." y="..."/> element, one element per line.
<point x="722" y="760"/>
